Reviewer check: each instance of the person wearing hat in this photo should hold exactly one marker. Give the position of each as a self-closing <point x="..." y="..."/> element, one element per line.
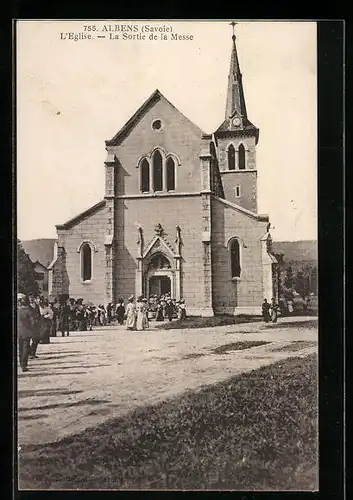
<point x="24" y="331"/>
<point x="120" y="311"/>
<point x="273" y="310"/>
<point x="33" y="308"/>
<point x="46" y="317"/>
<point x="159" y="311"/>
<point x="131" y="314"/>
<point x="65" y="312"/>
<point x="145" y="320"/>
<point x="182" y="309"/>
<point x="169" y="309"/>
<point x="141" y="308"/>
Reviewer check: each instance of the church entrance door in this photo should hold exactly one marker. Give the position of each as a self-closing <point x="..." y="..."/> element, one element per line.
<point x="159" y="285"/>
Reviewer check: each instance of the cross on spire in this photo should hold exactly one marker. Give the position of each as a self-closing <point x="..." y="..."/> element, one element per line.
<point x="232" y="24"/>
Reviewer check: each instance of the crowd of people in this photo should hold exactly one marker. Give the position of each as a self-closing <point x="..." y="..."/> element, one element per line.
<point x="34" y="324"/>
<point x="38" y="319"/>
<point x="138" y="313"/>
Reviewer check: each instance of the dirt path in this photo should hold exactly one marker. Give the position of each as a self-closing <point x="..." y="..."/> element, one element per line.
<point x="80" y="381"/>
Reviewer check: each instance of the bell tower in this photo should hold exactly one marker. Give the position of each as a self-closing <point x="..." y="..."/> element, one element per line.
<point x="237" y="138"/>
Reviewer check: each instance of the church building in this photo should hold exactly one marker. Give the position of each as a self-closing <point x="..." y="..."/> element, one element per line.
<point x="179" y="215"/>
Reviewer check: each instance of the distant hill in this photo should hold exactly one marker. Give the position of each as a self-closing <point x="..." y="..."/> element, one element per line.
<point x="41" y="250"/>
<point x="297" y="251"/>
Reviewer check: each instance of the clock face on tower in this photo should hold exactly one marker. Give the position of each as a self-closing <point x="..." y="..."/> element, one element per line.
<point x="236" y="121"/>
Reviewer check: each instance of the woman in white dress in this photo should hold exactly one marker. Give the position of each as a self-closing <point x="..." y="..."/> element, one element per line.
<point x="141" y="309"/>
<point x="46" y="317"/>
<point x="131" y="314"/>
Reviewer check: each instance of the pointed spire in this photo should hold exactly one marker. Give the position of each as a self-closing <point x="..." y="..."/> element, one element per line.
<point x="235" y="93"/>
<point x="236" y="120"/>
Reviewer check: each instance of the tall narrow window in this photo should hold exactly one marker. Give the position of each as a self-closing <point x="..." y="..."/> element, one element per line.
<point x="241" y="156"/>
<point x="235" y="258"/>
<point x="145" y="176"/>
<point x="170" y="175"/>
<point x="86" y="262"/>
<point x="231" y="157"/>
<point x="237" y="191"/>
<point x="157" y="172"/>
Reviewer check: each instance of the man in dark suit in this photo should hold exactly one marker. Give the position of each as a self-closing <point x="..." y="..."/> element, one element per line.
<point x="24" y="332"/>
<point x="169" y="308"/>
<point x="35" y="319"/>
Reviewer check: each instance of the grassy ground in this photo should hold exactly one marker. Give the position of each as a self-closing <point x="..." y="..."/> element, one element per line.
<point x="238" y="346"/>
<point x="198" y="322"/>
<point x="311" y="324"/>
<point x="295" y="346"/>
<point x="254" y="431"/>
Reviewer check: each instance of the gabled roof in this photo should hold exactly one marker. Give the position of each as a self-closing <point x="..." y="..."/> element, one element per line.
<point x="83" y="215"/>
<point x="40" y="250"/>
<point x="164" y="243"/>
<point x="246" y="128"/>
<point x="259" y="217"/>
<point x="40" y="264"/>
<point x="126" y="129"/>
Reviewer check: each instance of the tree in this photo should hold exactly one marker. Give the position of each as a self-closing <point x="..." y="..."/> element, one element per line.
<point x="26" y="274"/>
<point x="313" y="280"/>
<point x="301" y="284"/>
<point x="288" y="280"/>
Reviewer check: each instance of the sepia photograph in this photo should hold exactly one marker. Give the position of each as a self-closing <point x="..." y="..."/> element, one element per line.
<point x="167" y="270"/>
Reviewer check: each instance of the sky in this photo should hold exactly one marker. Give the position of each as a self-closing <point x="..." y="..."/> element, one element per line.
<point x="74" y="95"/>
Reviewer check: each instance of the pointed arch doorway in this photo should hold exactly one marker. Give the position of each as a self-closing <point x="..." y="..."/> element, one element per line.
<point x="159" y="276"/>
<point x="159" y="285"/>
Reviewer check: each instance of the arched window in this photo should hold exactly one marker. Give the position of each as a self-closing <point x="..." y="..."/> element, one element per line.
<point x="231" y="157"/>
<point x="235" y="258"/>
<point x="170" y="175"/>
<point x="86" y="262"/>
<point x="241" y="157"/>
<point x="157" y="172"/>
<point x="145" y="176"/>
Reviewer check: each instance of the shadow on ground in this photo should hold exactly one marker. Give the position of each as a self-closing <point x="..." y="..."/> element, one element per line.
<point x="238" y="346"/>
<point x="193" y="355"/>
<point x="33" y="417"/>
<point x="84" y="402"/>
<point x="51" y="353"/>
<point x="44" y="374"/>
<point x="296" y="345"/>
<point x="311" y="323"/>
<point x="27" y="393"/>
<point x="255" y="431"/>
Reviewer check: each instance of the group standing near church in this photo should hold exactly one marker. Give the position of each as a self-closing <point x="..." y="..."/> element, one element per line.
<point x="270" y="311"/>
<point x="38" y="319"/>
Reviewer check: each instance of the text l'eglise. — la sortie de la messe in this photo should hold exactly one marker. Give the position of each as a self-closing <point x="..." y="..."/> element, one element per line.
<point x="115" y="31"/>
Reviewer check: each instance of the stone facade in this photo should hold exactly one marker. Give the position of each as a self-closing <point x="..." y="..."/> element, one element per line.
<point x="153" y="234"/>
<point x="233" y="295"/>
<point x="245" y="179"/>
<point x="67" y="278"/>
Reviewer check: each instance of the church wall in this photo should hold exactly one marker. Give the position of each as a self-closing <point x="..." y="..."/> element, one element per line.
<point x="93" y="229"/>
<point x="248" y="191"/>
<point x="169" y="212"/>
<point x="246" y="293"/>
<point x="248" y="143"/>
<point x="247" y="179"/>
<point x="177" y="136"/>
